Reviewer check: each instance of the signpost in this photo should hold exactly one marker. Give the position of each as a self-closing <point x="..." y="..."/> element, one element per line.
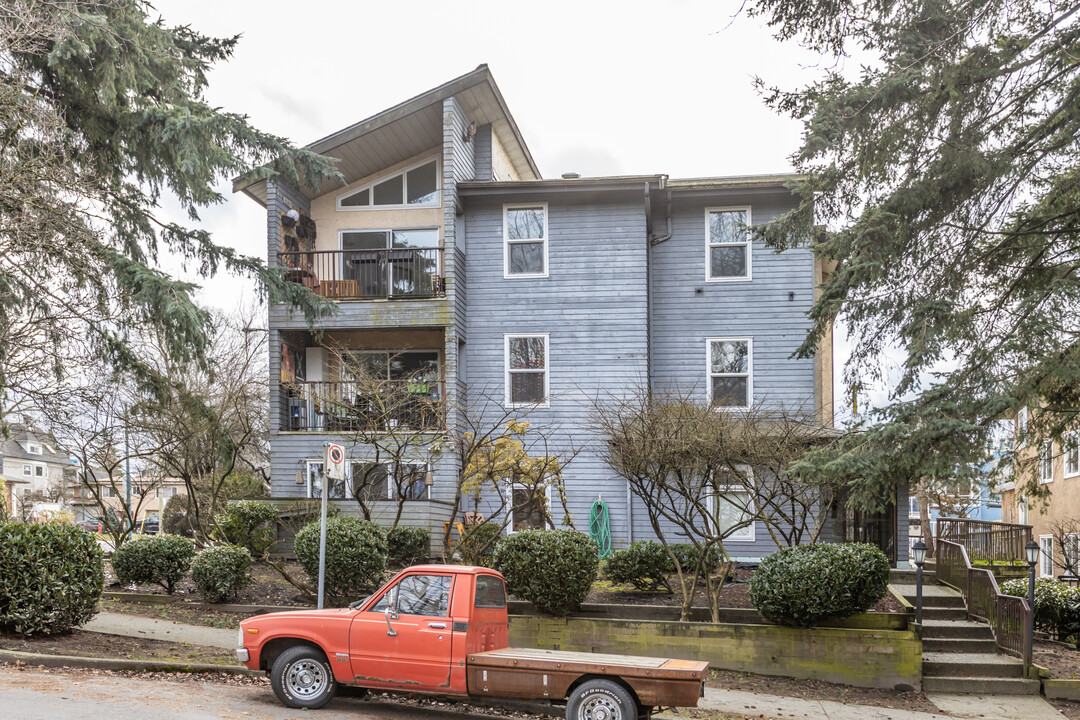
<point x="333" y="470"/>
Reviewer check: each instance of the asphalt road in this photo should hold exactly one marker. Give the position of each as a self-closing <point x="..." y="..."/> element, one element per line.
<point x="83" y="695"/>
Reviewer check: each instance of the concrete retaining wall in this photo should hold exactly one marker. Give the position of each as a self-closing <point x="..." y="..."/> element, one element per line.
<point x="851" y="656"/>
<point x="1061" y="689"/>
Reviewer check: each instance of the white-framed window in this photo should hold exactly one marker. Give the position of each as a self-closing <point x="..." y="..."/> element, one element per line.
<point x="728" y="251"/>
<point x="108" y="491"/>
<point x="28" y="470"/>
<point x="1022" y="510"/>
<point x="525" y="511"/>
<point x="1072" y="454"/>
<point x="1046" y="463"/>
<point x="525" y="245"/>
<point x="34" y="448"/>
<point x="376" y="481"/>
<point x="315" y="479"/>
<point x="166" y="492"/>
<point x="1046" y="556"/>
<point x="729" y="367"/>
<point x="1072" y="552"/>
<point x="526" y="362"/>
<point x="729" y="508"/>
<point x="414" y="186"/>
<point x="1021" y="426"/>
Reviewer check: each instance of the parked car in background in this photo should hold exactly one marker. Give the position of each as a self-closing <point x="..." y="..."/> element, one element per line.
<point x="148" y="526"/>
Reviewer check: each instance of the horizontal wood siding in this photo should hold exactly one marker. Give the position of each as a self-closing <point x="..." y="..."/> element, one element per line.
<point x="482" y="142"/>
<point x="686" y="309"/>
<point x="592" y="305"/>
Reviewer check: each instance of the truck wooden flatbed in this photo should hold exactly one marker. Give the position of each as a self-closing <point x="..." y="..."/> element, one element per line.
<point x="442" y="630"/>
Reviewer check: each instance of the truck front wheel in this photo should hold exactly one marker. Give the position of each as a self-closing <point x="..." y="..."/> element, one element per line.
<point x="302" y="678"/>
<point x="601" y="700"/>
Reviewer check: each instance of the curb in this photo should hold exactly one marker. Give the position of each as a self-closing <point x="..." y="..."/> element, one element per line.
<point x="147" y="599"/>
<point x="74" y="661"/>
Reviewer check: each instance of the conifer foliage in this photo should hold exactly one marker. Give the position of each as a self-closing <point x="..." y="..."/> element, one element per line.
<point x="946" y="174"/>
<point x="103" y="115"/>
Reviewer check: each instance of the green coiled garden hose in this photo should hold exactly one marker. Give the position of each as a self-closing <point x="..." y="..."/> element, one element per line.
<point x="600" y="527"/>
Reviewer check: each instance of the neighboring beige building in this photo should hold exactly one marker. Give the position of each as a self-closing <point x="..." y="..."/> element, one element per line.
<point x="34" y="470"/>
<point x="1057" y="466"/>
<point x="148" y="496"/>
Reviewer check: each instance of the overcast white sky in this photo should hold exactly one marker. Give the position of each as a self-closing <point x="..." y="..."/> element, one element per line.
<point x="598" y="88"/>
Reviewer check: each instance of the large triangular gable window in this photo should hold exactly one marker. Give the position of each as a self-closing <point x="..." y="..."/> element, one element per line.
<point x="414" y="186"/>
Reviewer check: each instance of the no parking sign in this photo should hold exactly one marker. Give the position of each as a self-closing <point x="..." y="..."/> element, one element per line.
<point x="335" y="461"/>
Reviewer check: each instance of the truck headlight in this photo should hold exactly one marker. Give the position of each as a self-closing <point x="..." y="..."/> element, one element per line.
<point x="240" y="638"/>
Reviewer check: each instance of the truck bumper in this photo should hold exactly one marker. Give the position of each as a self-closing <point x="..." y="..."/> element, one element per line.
<point x="242" y="655"/>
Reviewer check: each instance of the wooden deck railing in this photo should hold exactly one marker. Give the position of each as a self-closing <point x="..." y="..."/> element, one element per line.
<point x="1008" y="615"/>
<point x="985" y="540"/>
<point x="367" y="274"/>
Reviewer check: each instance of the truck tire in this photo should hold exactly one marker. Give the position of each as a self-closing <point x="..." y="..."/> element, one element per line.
<point x="601" y="700"/>
<point x="302" y="678"/>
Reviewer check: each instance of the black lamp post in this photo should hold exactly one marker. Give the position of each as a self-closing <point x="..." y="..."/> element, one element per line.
<point x="1031" y="552"/>
<point x="918" y="556"/>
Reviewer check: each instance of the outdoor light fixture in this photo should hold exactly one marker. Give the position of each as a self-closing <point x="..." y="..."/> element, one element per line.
<point x="1031" y="550"/>
<point x="918" y="553"/>
<point x="918" y="556"/>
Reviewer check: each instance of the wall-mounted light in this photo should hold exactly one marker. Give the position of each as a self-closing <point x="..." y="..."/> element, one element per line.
<point x="300" y="472"/>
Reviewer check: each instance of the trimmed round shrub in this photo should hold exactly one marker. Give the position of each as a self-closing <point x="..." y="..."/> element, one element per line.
<point x="644" y="564"/>
<point x="249" y="524"/>
<point x="1057" y="605"/>
<point x="219" y="573"/>
<point x="51" y="577"/>
<point x="407" y="546"/>
<point x="156" y="560"/>
<point x="803" y="585"/>
<point x="355" y="556"/>
<point x="478" y="543"/>
<point x="552" y="569"/>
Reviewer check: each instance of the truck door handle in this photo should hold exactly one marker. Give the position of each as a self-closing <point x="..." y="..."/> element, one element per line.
<point x="440" y="626"/>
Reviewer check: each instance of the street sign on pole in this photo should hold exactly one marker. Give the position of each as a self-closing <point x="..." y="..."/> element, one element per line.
<point x="333" y="471"/>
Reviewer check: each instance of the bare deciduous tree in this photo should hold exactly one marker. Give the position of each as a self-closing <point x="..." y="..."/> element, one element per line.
<point x="704" y="475"/>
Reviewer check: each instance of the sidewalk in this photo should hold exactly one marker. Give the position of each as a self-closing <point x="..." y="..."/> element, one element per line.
<point x="985" y="707"/>
<point x="153" y="629"/>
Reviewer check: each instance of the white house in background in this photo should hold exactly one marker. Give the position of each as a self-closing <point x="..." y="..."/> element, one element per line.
<point x="34" y="470"/>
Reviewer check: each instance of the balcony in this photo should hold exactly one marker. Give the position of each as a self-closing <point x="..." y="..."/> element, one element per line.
<point x="380" y="274"/>
<point x="348" y="407"/>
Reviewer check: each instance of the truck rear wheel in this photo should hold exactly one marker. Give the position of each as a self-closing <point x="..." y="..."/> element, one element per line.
<point x="302" y="678"/>
<point x="601" y="700"/>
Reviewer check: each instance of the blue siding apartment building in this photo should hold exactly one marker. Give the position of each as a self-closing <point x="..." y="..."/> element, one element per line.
<point x="447" y="251"/>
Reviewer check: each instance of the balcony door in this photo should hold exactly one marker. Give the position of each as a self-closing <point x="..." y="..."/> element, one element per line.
<point x="391" y="263"/>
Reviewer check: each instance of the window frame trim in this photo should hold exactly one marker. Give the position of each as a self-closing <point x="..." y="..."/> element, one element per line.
<point x="508" y="519"/>
<point x="731" y="490"/>
<point x="1047" y="447"/>
<point x="1045" y="557"/>
<point x="390" y="479"/>
<point x="709" y="374"/>
<point x="403" y="172"/>
<point x="1073" y="437"/>
<point x="507" y="275"/>
<point x="748" y="244"/>
<point x="507" y="402"/>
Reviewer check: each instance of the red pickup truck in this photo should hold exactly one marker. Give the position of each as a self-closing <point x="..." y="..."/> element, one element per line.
<point x="442" y="630"/>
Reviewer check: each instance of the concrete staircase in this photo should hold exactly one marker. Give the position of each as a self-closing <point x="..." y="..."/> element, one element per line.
<point x="960" y="655"/>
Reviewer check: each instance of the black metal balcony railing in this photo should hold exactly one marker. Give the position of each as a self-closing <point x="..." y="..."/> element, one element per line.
<point x="367" y="274"/>
<point x="345" y="406"/>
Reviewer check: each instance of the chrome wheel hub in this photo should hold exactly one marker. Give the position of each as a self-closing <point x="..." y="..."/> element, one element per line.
<point x="599" y="708"/>
<point x="306" y="679"/>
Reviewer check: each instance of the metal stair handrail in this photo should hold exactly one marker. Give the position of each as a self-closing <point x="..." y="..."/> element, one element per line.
<point x="1009" y="616"/>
